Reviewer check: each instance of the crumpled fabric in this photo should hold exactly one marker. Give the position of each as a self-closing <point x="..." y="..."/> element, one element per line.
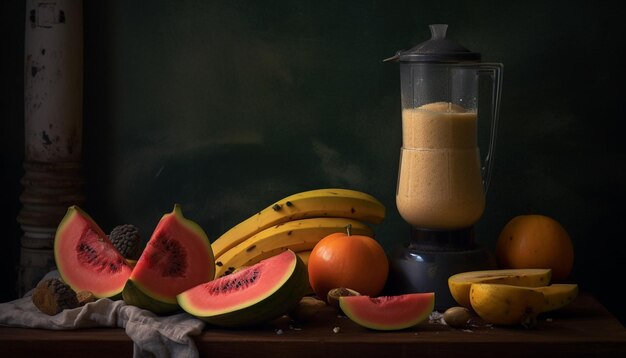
<point x="153" y="336"/>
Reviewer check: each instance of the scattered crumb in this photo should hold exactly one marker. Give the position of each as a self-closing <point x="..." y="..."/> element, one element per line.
<point x="279" y="331"/>
<point x="295" y="328"/>
<point x="336" y="329"/>
<point x="468" y="330"/>
<point x="436" y="317"/>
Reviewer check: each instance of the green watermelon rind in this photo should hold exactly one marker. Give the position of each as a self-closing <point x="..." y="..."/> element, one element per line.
<point x="133" y="295"/>
<point x="346" y="308"/>
<point x="282" y="300"/>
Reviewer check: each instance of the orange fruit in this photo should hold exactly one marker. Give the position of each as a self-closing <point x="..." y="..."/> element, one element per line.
<point x="536" y="241"/>
<point x="356" y="262"/>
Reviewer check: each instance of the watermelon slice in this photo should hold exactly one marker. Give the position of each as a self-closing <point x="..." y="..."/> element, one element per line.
<point x="252" y="296"/>
<point x="388" y="312"/>
<point x="177" y="257"/>
<point x="86" y="259"/>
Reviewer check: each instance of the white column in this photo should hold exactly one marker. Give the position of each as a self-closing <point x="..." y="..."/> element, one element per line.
<point x="53" y="110"/>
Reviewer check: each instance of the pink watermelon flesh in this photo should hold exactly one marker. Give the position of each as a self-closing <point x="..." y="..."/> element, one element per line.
<point x="388" y="312"/>
<point x="177" y="257"/>
<point x="240" y="289"/>
<point x="85" y="257"/>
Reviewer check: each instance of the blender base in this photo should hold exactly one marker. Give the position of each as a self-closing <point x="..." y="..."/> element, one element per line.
<point x="413" y="269"/>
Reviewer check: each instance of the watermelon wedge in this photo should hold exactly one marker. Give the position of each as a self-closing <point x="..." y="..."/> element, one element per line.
<point x="388" y="312"/>
<point x="252" y="296"/>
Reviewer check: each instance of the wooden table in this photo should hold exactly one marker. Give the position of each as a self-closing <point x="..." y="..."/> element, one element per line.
<point x="583" y="329"/>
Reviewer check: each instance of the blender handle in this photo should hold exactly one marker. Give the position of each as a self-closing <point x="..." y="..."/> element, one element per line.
<point x="495" y="71"/>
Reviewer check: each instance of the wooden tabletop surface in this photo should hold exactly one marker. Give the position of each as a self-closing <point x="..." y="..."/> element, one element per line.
<point x="583" y="329"/>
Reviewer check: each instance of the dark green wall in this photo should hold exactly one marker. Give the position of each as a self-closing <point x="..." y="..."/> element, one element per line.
<point x="226" y="106"/>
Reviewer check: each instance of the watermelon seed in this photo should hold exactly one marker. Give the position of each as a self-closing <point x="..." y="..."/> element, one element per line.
<point x="237" y="283"/>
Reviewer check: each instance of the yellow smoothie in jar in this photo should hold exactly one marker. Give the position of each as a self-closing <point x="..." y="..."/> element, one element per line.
<point x="439" y="180"/>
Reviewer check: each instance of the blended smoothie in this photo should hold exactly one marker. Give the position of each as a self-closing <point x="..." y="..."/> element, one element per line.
<point x="439" y="180"/>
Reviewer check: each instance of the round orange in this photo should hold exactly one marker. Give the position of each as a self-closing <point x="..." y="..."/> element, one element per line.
<point x="536" y="241"/>
<point x="357" y="262"/>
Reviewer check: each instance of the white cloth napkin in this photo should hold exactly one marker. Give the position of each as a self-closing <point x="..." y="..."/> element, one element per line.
<point x="153" y="336"/>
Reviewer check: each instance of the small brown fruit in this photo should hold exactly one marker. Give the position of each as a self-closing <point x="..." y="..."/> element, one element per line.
<point x="333" y="295"/>
<point x="308" y="308"/>
<point x="127" y="241"/>
<point x="457" y="317"/>
<point x="53" y="296"/>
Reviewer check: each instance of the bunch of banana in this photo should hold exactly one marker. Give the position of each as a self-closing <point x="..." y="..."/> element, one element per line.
<point x="296" y="222"/>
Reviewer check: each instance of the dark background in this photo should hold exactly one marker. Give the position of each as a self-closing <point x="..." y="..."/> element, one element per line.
<point x="226" y="106"/>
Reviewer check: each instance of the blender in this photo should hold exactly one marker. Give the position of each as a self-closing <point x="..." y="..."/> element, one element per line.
<point x="442" y="177"/>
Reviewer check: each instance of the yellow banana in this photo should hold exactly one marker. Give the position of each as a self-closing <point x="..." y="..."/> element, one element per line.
<point x="460" y="283"/>
<point x="304" y="255"/>
<point x="506" y="304"/>
<point x="557" y="295"/>
<point x="297" y="235"/>
<point x="328" y="202"/>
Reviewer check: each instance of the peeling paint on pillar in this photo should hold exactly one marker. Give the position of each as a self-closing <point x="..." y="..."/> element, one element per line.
<point x="53" y="117"/>
<point x="53" y="81"/>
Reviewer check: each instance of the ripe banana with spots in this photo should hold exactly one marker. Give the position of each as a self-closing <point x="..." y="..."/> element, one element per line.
<point x="510" y="305"/>
<point x="327" y="202"/>
<point x="297" y="235"/>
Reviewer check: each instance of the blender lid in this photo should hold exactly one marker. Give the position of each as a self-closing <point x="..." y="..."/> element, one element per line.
<point x="437" y="49"/>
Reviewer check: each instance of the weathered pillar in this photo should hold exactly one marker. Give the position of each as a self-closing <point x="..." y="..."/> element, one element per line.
<point x="53" y="114"/>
